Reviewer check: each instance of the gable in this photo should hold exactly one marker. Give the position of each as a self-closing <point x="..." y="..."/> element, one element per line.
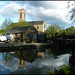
<point x="32" y="30"/>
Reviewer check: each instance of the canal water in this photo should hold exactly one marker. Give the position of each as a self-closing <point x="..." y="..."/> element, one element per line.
<point x="33" y="61"/>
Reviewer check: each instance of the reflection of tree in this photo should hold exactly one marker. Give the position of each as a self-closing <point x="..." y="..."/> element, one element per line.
<point x="63" y="71"/>
<point x="72" y="62"/>
<point x="50" y="53"/>
<point x="7" y="57"/>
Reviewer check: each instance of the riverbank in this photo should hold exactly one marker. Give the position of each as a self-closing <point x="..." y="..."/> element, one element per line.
<point x="22" y="46"/>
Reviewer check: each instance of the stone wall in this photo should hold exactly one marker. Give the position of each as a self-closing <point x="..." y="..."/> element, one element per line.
<point x="31" y="31"/>
<point x="41" y="27"/>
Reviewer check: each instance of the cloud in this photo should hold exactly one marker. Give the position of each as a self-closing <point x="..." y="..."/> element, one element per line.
<point x="9" y="65"/>
<point x="42" y="65"/>
<point x="52" y="16"/>
<point x="50" y="61"/>
<point x="53" y="12"/>
<point x="2" y="3"/>
<point x="10" y="10"/>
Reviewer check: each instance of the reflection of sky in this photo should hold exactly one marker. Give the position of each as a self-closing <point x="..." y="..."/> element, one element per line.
<point x="40" y="65"/>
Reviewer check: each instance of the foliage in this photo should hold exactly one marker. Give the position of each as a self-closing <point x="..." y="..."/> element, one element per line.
<point x="53" y="30"/>
<point x="70" y="30"/>
<point x="72" y="10"/>
<point x="2" y="31"/>
<point x="7" y="57"/>
<point x="48" y="72"/>
<point x="19" y="24"/>
<point x="57" y="27"/>
<point x="6" y="23"/>
<point x="50" y="32"/>
<point x="64" y="71"/>
<point x="72" y="69"/>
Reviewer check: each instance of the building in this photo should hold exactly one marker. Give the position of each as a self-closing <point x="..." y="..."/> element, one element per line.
<point x="20" y="34"/>
<point x="39" y="25"/>
<point x="23" y="33"/>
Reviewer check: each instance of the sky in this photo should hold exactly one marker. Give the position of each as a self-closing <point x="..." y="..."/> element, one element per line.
<point x="53" y="12"/>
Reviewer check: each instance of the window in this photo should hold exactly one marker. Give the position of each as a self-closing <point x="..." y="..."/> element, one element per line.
<point x="21" y="15"/>
<point x="37" y="27"/>
<point x="24" y="15"/>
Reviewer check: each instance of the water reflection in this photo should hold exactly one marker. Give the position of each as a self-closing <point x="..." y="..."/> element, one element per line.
<point x="33" y="61"/>
<point x="7" y="57"/>
<point x="27" y="55"/>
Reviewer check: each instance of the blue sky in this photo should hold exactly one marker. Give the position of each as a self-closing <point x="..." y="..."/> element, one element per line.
<point x="53" y="12"/>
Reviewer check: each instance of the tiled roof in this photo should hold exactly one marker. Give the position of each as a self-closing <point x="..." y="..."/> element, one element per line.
<point x="35" y="22"/>
<point x="18" y="30"/>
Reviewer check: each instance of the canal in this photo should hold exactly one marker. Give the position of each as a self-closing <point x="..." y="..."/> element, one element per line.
<point x="36" y="61"/>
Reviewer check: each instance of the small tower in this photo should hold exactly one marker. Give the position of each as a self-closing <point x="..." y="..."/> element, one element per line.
<point x="22" y="14"/>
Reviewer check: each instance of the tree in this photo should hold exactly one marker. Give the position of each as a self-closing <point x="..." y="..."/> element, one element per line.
<point x="6" y="23"/>
<point x="70" y="30"/>
<point x="52" y="30"/>
<point x="57" y="27"/>
<point x="7" y="57"/>
<point x="72" y="11"/>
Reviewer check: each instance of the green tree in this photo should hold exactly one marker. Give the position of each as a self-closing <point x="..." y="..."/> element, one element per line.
<point x="70" y="30"/>
<point x="57" y="27"/>
<point x="52" y="30"/>
<point x="48" y="34"/>
<point x="6" y="23"/>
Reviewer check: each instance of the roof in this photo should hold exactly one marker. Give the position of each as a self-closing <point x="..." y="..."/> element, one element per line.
<point x="35" y="22"/>
<point x="18" y="30"/>
<point x="21" y="9"/>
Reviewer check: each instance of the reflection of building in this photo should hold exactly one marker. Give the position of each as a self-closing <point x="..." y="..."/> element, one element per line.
<point x="41" y="54"/>
<point x="27" y="55"/>
<point x="21" y="63"/>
